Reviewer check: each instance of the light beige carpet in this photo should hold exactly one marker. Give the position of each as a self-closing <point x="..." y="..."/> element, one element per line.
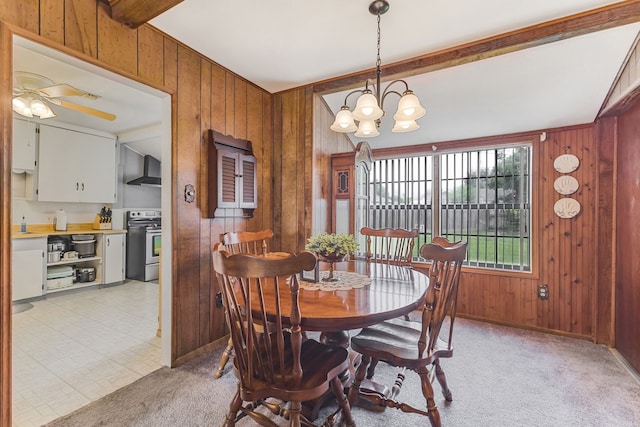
<point x="499" y="376"/>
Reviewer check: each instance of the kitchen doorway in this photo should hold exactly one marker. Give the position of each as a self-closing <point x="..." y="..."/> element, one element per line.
<point x="137" y="107"/>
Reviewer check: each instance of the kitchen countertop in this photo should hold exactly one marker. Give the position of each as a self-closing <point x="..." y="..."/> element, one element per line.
<point x="45" y="230"/>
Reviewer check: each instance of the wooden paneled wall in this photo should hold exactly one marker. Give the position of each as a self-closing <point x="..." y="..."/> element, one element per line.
<point x="325" y="143"/>
<point x="564" y="251"/>
<point x="204" y="95"/>
<point x="627" y="233"/>
<point x="292" y="168"/>
<point x="303" y="144"/>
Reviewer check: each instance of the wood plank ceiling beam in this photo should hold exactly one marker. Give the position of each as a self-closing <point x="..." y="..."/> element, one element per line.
<point x="603" y="18"/>
<point x="134" y="13"/>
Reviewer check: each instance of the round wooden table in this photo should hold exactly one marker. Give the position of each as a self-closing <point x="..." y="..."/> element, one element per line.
<point x="393" y="291"/>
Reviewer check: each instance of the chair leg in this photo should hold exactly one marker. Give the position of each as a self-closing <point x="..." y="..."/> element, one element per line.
<point x="234" y="407"/>
<point x="354" y="390"/>
<point x="372" y="368"/>
<point x="343" y="403"/>
<point x="294" y="413"/>
<point x="443" y="381"/>
<point x="224" y="359"/>
<point x="427" y="392"/>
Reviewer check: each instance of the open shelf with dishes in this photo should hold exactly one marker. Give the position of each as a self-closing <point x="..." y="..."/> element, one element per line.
<point x="78" y="265"/>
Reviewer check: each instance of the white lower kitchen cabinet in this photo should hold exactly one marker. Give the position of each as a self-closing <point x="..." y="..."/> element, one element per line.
<point x="28" y="268"/>
<point x="113" y="258"/>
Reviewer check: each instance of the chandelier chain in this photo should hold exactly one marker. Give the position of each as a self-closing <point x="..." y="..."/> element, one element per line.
<point x="378" y="61"/>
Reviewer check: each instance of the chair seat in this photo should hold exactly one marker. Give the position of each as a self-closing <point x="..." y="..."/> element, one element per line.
<point x="395" y="341"/>
<point x="319" y="362"/>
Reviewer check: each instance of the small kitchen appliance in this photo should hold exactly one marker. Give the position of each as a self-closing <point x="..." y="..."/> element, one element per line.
<point x="59" y="277"/>
<point x="85" y="274"/>
<point x="84" y="244"/>
<point x="53" y="256"/>
<point x="60" y="221"/>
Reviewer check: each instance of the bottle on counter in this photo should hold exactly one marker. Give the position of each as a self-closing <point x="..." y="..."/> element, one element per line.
<point x="23" y="225"/>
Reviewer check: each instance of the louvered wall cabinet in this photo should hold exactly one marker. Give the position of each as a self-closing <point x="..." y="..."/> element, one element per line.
<point x="232" y="177"/>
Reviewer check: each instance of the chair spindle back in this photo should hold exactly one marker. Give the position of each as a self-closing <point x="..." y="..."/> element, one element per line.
<point x="247" y="242"/>
<point x="444" y="276"/>
<point x="390" y="245"/>
<point x="267" y="347"/>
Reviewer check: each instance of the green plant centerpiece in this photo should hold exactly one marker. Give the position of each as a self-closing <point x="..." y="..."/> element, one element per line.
<point x="332" y="248"/>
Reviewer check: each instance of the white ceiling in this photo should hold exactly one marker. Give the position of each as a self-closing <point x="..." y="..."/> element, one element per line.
<point x="288" y="43"/>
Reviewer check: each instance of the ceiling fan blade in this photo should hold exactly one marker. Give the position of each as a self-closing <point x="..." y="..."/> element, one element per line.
<point x="64" y="89"/>
<point x="82" y="109"/>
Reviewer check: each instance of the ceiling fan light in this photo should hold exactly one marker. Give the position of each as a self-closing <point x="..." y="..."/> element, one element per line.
<point x="409" y="108"/>
<point x="38" y="107"/>
<point x="367" y="129"/>
<point x="405" y="126"/>
<point x="48" y="114"/>
<point x="367" y="107"/>
<point x="21" y="105"/>
<point x="344" y="121"/>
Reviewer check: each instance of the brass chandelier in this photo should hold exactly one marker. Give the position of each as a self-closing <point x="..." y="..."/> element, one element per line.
<point x="369" y="106"/>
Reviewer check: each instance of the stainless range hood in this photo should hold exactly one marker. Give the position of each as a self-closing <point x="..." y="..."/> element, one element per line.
<point x="150" y="173"/>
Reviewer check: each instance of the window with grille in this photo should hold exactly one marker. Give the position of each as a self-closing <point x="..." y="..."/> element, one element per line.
<point x="479" y="196"/>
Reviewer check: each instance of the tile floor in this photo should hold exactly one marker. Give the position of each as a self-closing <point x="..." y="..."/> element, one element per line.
<point x="74" y="348"/>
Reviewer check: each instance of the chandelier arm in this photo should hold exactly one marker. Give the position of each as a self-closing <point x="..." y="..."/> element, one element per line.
<point x="388" y="92"/>
<point x="351" y="93"/>
<point x="406" y="86"/>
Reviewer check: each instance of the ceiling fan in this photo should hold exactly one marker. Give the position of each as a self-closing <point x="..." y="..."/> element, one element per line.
<point x="32" y="92"/>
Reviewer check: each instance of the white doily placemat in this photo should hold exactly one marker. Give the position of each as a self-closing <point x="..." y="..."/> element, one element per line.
<point x="348" y="280"/>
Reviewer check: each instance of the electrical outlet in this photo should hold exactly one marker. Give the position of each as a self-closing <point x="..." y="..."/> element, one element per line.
<point x="543" y="292"/>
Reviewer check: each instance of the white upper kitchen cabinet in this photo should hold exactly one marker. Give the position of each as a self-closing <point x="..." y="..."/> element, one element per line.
<point x="24" y="146"/>
<point x="75" y="166"/>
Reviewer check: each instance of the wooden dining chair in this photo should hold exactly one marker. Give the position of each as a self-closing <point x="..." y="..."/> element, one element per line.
<point x="417" y="346"/>
<point x="390" y="245"/>
<point x="242" y="242"/>
<point x="272" y="361"/>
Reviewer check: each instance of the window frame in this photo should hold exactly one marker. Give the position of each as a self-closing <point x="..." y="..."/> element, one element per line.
<point x="486" y="143"/>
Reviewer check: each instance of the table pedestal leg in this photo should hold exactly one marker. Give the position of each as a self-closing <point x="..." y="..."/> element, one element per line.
<point x="311" y="408"/>
<point x="336" y="339"/>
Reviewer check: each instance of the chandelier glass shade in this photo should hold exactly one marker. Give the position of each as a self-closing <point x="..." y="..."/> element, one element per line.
<point x="367" y="129"/>
<point x="369" y="106"/>
<point x="30" y="105"/>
